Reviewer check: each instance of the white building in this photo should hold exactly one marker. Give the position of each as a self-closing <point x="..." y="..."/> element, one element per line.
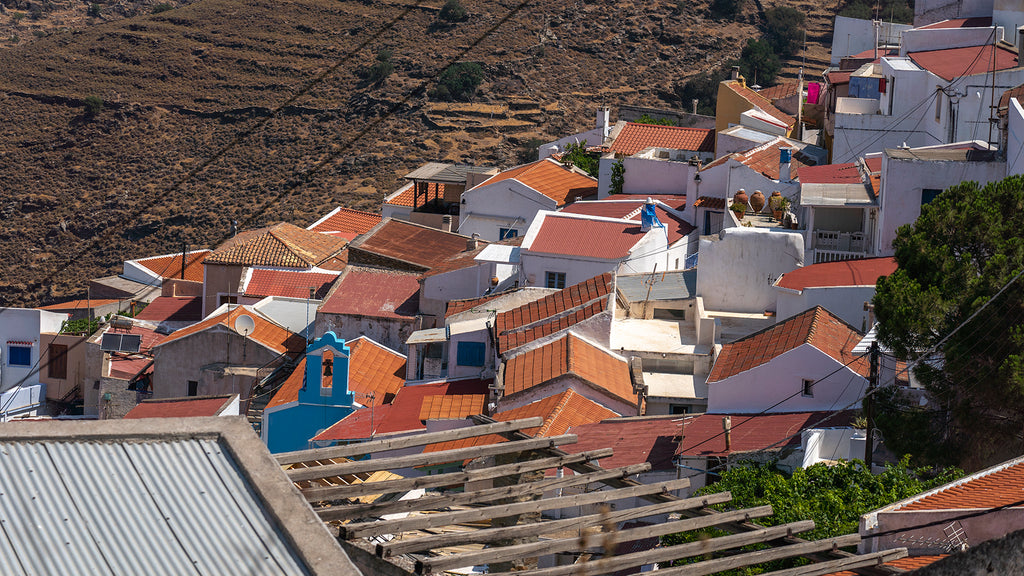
<point x="21" y="392"/>
<point x="839" y="210"/>
<point x="842" y="288"/>
<point x="656" y="159"/>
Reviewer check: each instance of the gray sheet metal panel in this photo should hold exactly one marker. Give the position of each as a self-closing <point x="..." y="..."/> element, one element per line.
<point x="674" y="285"/>
<point x="119" y="512"/>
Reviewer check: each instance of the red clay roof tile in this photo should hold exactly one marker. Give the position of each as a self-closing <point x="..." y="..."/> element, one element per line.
<point x="951" y="63"/>
<point x="1001" y="486"/>
<point x="558" y="182"/>
<point x="374" y="293"/>
<point x="289" y="283"/>
<point x="847" y="173"/>
<point x="179" y="407"/>
<point x="846" y="273"/>
<point x="346" y="223"/>
<point x="578" y="237"/>
<point x="284" y="245"/>
<point x="635" y="137"/>
<point x="634" y="441"/>
<point x="616" y="207"/>
<point x="173" y="309"/>
<point x="169" y="266"/>
<point x="569" y="355"/>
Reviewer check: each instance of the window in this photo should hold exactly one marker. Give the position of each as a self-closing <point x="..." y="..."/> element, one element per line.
<point x="678" y="409"/>
<point x="58" y="364"/>
<point x="227" y="299"/>
<point x="193" y="388"/>
<point x="929" y="194"/>
<point x="555" y="280"/>
<point x="19" y="355"/>
<point x="504" y="233"/>
<point x="808" y="388"/>
<point x="470" y="354"/>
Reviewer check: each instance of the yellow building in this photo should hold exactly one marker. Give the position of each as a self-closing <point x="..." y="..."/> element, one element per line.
<point x="737" y="104"/>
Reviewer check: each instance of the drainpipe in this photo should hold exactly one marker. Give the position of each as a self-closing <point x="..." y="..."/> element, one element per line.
<point x="727" y="428"/>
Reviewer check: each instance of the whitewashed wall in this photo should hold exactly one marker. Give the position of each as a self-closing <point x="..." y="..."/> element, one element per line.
<point x="846" y="302"/>
<point x="737" y="271"/>
<point x="504" y="204"/>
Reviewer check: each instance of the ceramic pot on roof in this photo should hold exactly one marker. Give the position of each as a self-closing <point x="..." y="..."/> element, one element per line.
<point x="741" y="197"/>
<point x="757" y="201"/>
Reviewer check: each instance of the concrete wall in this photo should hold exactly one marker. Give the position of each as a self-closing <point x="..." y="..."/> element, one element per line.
<point x="24" y="325"/>
<point x="852" y="36"/>
<point x="1009" y="14"/>
<point x="846" y="302"/>
<point x="650" y="176"/>
<point x="504" y="204"/>
<point x="115" y="399"/>
<point x="179" y="287"/>
<point x="198" y="356"/>
<point x="994" y="524"/>
<point x="472" y="282"/>
<point x="390" y="332"/>
<point x="57" y="388"/>
<point x="218" y="280"/>
<point x="932" y="11"/>
<point x="904" y="180"/>
<point x="831" y="444"/>
<point x="943" y="38"/>
<point x="296" y="314"/>
<point x="1015" y="138"/>
<point x="736" y="272"/>
<point x="780" y="380"/>
<point x="455" y="370"/>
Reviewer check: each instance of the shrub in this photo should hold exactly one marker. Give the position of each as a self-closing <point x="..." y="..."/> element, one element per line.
<point x="647" y="119"/>
<point x="94" y="10"/>
<point x="784" y="30"/>
<point x="458" y="81"/>
<point x="93" y="105"/>
<point x="702" y="87"/>
<point x="577" y="155"/>
<point x="528" y="150"/>
<point x="382" y="68"/>
<point x="618" y="177"/>
<point x="758" y="63"/>
<point x="17" y="17"/>
<point x="452" y="11"/>
<point x="726" y="9"/>
<point x="162" y="7"/>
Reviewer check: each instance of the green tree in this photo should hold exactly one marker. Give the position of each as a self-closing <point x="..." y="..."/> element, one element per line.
<point x="452" y="11"/>
<point x="758" y="63"/>
<point x="162" y="7"/>
<point x="618" y="177"/>
<point x="93" y="105"/>
<point x="577" y="155"/>
<point x="899" y="11"/>
<point x="703" y="88"/>
<point x="458" y="81"/>
<point x="726" y="9"/>
<point x="647" y="119"/>
<point x="834" y="496"/>
<point x="784" y="30"/>
<point x="965" y="246"/>
<point x="381" y="68"/>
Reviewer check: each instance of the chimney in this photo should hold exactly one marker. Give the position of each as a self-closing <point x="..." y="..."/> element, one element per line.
<point x="1020" y="42"/>
<point x="446" y="223"/>
<point x="695" y="102"/>
<point x="785" y="164"/>
<point x="727" y="428"/>
<point x="471" y="243"/>
<point x="735" y="73"/>
<point x="602" y="122"/>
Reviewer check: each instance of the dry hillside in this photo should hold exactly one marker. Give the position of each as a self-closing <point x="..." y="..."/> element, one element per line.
<point x="188" y="138"/>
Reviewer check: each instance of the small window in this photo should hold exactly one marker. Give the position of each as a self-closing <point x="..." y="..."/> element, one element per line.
<point x="228" y="299"/>
<point x="470" y="354"/>
<point x="193" y="388"/>
<point x="555" y="280"/>
<point x="504" y="233"/>
<point x="929" y="194"/>
<point x="808" y="388"/>
<point x="19" y="355"/>
<point x="57" y="367"/>
<point x="678" y="409"/>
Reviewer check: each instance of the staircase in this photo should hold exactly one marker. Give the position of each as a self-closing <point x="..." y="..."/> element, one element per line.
<point x="263" y="391"/>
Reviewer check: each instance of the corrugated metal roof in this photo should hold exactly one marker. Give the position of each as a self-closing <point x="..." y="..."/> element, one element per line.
<point x="129" y="507"/>
<point x="675" y="285"/>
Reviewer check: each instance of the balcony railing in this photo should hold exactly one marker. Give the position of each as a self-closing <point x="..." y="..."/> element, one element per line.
<point x="833" y="246"/>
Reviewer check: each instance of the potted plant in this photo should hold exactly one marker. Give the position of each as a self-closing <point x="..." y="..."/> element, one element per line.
<point x="739" y="209"/>
<point x="779" y="205"/>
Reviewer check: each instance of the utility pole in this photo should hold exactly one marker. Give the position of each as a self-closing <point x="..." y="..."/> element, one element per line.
<point x="868" y="412"/>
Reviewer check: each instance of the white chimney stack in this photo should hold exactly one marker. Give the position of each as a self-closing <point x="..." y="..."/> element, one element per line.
<point x="785" y="164"/>
<point x="602" y="123"/>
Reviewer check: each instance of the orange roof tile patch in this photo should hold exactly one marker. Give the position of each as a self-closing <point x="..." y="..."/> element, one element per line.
<point x="346" y="222"/>
<point x="179" y="407"/>
<point x="569" y="355"/>
<point x="289" y="391"/>
<point x="554" y="180"/>
<point x="553" y="313"/>
<point x="267" y="333"/>
<point x="406" y="195"/>
<point x="80" y="304"/>
<point x="454" y="407"/>
<point x="284" y="245"/>
<point x="998" y="486"/>
<point x="169" y="266"/>
<point x="817" y="327"/>
<point x="909" y="563"/>
<point x="779" y="91"/>
<point x="761" y="102"/>
<point x="375" y="373"/>
<point x="560" y="412"/>
<point x="635" y="137"/>
<point x="865" y="272"/>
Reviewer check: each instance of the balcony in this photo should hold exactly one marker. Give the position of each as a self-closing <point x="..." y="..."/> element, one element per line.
<point x="833" y="246"/>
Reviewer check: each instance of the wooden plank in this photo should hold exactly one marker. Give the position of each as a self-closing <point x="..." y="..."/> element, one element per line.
<point x="355" y="530"/>
<point x="449" y="479"/>
<point x="474" y="496"/>
<point x="427" y="458"/>
<point x="406" y="545"/>
<point x="579" y="543"/>
<point x="422" y="439"/>
<point x="760" y="556"/>
<point x="668" y="553"/>
<point x="852" y="563"/>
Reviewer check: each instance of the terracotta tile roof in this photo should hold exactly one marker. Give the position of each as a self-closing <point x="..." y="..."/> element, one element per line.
<point x="579" y="237"/>
<point x="614" y="207"/>
<point x="953" y="63"/>
<point x="976" y="22"/>
<point x="839" y="76"/>
<point x="346" y="223"/>
<point x="909" y="563"/>
<point x="80" y="304"/>
<point x="374" y="293"/>
<point x="180" y="407"/>
<point x="846" y="273"/>
<point x="372" y="369"/>
<point x="454" y="407"/>
<point x="560" y="412"/>
<point x="1000" y="485"/>
<point x="652" y="439"/>
<point x="761" y="102"/>
<point x="703" y="436"/>
<point x="403" y="414"/>
<point x="847" y="173"/>
<point x="817" y="327"/>
<point x="551" y="179"/>
<point x="673" y="201"/>
<point x="420" y="246"/>
<point x="1004" y="100"/>
<point x="267" y="333"/>
<point x="173" y="309"/>
<point x="169" y="266"/>
<point x="765" y="159"/>
<point x="870" y="53"/>
<point x="710" y="203"/>
<point x="569" y="355"/>
<point x="779" y="91"/>
<point x="284" y="245"/>
<point x="553" y="313"/>
<point x="405" y="195"/>
<point x="459" y="306"/>
<point x="635" y="137"/>
<point x="465" y="259"/>
<point x="289" y="283"/>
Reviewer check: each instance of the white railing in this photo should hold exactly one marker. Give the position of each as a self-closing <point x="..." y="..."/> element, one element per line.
<point x="841" y="241"/>
<point x="837" y="255"/>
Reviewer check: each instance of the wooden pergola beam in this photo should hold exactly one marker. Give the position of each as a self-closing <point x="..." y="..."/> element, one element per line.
<point x="449" y="479"/>
<point x="409" y="441"/>
<point x="407" y="545"/>
<point x="439" y="564"/>
<point x="831" y="566"/>
<point x="375" y="528"/>
<point x="475" y="496"/>
<point x="427" y="458"/>
<point x="760" y="556"/>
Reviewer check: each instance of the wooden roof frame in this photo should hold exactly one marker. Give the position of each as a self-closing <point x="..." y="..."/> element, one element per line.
<point x="360" y="523"/>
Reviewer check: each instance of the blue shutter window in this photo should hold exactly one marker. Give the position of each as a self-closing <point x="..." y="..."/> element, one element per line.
<point x="19" y="355"/>
<point x="470" y="354"/>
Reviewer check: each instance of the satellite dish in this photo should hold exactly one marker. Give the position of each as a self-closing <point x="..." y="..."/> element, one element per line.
<point x="244" y="324"/>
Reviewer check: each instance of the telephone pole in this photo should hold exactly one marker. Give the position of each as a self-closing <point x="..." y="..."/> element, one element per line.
<point x="868" y="412"/>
